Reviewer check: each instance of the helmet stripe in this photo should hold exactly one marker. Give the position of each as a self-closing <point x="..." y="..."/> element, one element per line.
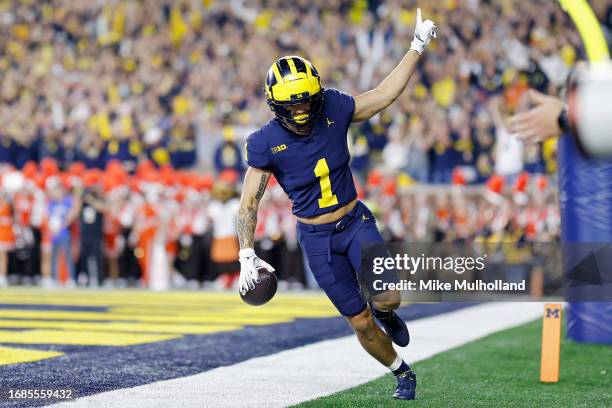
<point x="277" y="74"/>
<point x="313" y="70"/>
<point x="308" y="69"/>
<point x="283" y="67"/>
<point x="271" y="78"/>
<point x="292" y="66"/>
<point x="299" y="65"/>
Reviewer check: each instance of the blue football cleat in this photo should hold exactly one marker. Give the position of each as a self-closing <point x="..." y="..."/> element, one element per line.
<point x="406" y="386"/>
<point x="394" y="326"/>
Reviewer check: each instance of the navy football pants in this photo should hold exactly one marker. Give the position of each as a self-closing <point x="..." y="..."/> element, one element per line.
<point x="333" y="252"/>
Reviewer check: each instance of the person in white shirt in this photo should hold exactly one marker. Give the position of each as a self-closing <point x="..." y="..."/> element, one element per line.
<point x="508" y="149"/>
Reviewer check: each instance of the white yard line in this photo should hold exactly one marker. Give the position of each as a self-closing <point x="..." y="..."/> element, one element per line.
<point x="315" y="370"/>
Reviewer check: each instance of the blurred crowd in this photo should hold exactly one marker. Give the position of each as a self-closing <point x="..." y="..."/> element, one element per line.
<point x="180" y="82"/>
<point x="110" y="110"/>
<point x="164" y="228"/>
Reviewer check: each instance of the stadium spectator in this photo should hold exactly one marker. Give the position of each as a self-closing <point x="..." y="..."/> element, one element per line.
<point x="63" y="209"/>
<point x="27" y="218"/>
<point x="125" y="203"/>
<point x="194" y="225"/>
<point x="223" y="210"/>
<point x="7" y="238"/>
<point x="508" y="149"/>
<point x="228" y="154"/>
<point x="91" y="222"/>
<point x="419" y="143"/>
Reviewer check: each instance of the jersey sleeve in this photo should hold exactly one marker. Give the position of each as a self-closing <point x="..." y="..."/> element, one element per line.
<point x="256" y="152"/>
<point x="344" y="102"/>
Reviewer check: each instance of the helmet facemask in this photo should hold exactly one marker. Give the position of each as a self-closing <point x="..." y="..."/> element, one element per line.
<point x="300" y="124"/>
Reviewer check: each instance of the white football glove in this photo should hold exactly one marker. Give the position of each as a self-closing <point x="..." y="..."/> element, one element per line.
<point x="424" y="31"/>
<point x="249" y="264"/>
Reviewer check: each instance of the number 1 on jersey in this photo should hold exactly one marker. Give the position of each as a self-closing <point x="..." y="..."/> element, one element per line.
<point x="327" y="199"/>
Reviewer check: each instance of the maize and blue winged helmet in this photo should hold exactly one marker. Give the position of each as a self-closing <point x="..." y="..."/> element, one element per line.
<point x="291" y="81"/>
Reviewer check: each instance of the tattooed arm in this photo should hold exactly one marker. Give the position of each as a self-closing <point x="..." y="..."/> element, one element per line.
<point x="253" y="189"/>
<point x="255" y="182"/>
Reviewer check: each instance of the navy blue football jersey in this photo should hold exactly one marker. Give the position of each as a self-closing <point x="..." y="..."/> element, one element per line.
<point x="313" y="170"/>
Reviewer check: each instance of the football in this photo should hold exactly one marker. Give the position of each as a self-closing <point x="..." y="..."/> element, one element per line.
<point x="264" y="290"/>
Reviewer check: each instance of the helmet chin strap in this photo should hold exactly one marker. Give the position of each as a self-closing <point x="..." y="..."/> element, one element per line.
<point x="298" y="130"/>
<point x="305" y="133"/>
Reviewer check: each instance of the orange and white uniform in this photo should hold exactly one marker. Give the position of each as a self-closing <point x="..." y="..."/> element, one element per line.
<point x="172" y="227"/>
<point x="147" y="221"/>
<point x="113" y="244"/>
<point x="39" y="218"/>
<point x="225" y="246"/>
<point x="7" y="237"/>
<point x="23" y="209"/>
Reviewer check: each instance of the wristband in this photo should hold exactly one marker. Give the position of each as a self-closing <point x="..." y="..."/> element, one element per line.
<point x="563" y="120"/>
<point x="418" y="46"/>
<point x="246" y="253"/>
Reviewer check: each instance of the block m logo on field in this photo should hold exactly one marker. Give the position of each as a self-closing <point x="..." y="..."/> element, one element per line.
<point x="553" y="313"/>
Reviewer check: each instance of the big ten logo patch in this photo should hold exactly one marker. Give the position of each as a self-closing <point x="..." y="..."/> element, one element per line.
<point x="279" y="148"/>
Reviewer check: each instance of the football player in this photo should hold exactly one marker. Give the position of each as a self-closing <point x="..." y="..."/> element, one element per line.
<point x="305" y="147"/>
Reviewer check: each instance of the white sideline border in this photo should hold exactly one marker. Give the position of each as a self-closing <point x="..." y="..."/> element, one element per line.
<point x="315" y="370"/>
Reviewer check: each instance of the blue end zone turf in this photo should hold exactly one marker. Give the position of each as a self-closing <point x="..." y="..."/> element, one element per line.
<point x="90" y="370"/>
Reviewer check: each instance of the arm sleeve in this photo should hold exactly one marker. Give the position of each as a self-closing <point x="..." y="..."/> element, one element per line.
<point x="256" y="152"/>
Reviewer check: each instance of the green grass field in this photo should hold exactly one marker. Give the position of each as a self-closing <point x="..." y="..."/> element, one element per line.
<point x="501" y="370"/>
